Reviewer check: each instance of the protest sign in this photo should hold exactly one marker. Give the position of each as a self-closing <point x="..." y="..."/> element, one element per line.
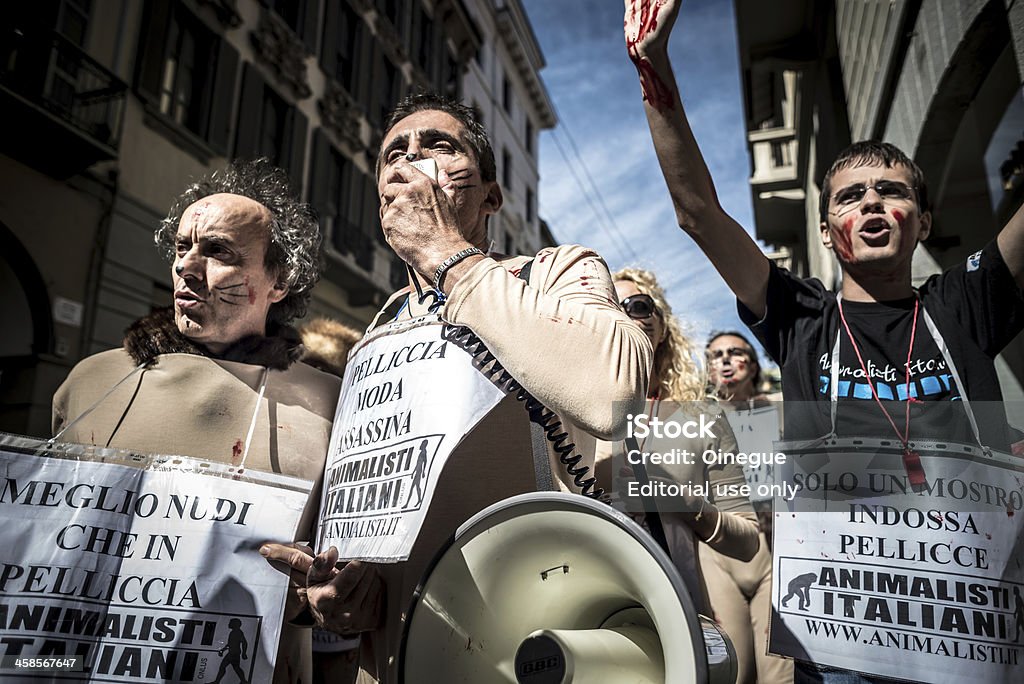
<point x="877" y="576"/>
<point x="140" y="568"/>
<point x="756" y="430"/>
<point x="408" y="398"/>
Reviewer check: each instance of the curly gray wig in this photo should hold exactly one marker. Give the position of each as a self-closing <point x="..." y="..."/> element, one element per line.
<point x="294" y="250"/>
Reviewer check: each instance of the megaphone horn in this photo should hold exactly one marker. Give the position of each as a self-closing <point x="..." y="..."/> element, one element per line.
<point x="552" y="588"/>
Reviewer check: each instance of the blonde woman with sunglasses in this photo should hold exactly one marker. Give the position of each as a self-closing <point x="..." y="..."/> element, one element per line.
<point x="677" y="384"/>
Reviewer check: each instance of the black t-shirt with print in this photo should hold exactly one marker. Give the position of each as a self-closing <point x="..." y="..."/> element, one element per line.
<point x="976" y="306"/>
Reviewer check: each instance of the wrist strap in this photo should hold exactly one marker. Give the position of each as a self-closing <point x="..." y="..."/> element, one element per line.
<point x="451" y="261"/>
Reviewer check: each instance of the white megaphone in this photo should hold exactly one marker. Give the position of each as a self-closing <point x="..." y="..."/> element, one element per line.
<point x="551" y="588"/>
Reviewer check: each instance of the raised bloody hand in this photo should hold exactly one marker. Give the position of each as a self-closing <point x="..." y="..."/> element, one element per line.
<point x="647" y="26"/>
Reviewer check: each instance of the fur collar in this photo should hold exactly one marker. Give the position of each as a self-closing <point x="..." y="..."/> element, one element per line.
<point x="157" y="334"/>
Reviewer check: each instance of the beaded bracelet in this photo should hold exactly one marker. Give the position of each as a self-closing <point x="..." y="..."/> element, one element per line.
<point x="442" y="270"/>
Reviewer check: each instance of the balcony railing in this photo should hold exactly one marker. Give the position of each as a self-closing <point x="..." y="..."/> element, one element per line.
<point x="774" y="152"/>
<point x="52" y="73"/>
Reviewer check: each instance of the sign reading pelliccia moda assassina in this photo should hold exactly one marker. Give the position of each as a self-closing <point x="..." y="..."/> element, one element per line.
<point x="408" y="398"/>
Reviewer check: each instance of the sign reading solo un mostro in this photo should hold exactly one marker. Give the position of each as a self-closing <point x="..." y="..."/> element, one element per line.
<point x="145" y="568"/>
<point x="407" y="400"/>
<point x="877" y="576"/>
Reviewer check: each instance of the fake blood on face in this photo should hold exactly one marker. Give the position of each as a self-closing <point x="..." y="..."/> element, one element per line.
<point x="250" y="291"/>
<point x="842" y="239"/>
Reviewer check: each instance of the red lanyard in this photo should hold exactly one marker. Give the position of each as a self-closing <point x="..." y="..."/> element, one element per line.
<point x="911" y="459"/>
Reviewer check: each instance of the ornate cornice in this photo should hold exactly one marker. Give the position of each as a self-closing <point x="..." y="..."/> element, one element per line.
<point x="390" y="40"/>
<point x="277" y="46"/>
<point x="226" y="11"/>
<point x="340" y="114"/>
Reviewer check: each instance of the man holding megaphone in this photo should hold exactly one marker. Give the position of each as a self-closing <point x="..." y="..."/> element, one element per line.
<point x="547" y="327"/>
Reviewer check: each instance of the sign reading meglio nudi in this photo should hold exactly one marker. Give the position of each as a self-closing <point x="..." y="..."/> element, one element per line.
<point x="874" y="576"/>
<point x="144" y="567"/>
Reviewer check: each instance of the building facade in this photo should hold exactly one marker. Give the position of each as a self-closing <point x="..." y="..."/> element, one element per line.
<point x="112" y="107"/>
<point x="940" y="79"/>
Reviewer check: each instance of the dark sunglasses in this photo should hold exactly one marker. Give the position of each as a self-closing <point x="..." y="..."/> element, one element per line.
<point x="732" y="352"/>
<point x="852" y="195"/>
<point x="639" y="306"/>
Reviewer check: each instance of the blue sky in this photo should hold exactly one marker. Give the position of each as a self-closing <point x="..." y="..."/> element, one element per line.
<point x="597" y="97"/>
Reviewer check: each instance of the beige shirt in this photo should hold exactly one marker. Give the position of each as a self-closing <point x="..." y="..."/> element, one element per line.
<point x="196" y="406"/>
<point x="564" y="338"/>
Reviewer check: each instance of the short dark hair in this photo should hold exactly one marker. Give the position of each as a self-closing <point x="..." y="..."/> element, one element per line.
<point x="476" y="134"/>
<point x="293" y="250"/>
<point x="758" y="380"/>
<point x="873" y="153"/>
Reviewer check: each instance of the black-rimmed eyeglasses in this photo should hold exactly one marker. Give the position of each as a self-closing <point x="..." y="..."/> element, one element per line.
<point x="888" y="190"/>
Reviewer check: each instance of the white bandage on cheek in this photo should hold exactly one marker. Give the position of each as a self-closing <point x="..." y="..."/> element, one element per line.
<point x="427" y="166"/>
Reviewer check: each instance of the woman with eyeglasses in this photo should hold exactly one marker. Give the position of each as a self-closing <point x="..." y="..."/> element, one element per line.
<point x="677" y="385"/>
<point x="743" y="603"/>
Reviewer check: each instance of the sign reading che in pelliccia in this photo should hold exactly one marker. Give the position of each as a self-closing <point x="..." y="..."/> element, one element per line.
<point x="408" y="398"/>
<point x="146" y="567"/>
<point x="875" y="577"/>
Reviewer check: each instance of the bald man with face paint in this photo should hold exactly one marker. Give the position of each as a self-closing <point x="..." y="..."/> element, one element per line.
<point x="244" y="255"/>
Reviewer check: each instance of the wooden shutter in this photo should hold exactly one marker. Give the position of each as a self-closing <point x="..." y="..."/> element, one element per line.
<point x="223" y="98"/>
<point x="250" y="111"/>
<point x="156" y="21"/>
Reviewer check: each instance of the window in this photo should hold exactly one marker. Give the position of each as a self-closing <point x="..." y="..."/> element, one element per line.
<point x="183" y="86"/>
<point x="388" y="92"/>
<point x="186" y="74"/>
<point x="300" y="16"/>
<point x="506" y="169"/>
<point x="392" y="9"/>
<point x="451" y="76"/>
<point x="289" y="10"/>
<point x="73" y="20"/>
<point x="338" y="192"/>
<point x="268" y="126"/>
<point x="273" y="119"/>
<point x="425" y="43"/>
<point x="506" y="94"/>
<point x="342" y="44"/>
<point x="529" y="135"/>
<point x="529" y="205"/>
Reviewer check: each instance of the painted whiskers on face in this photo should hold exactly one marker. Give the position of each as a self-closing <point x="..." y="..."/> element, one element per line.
<point x="227" y="293"/>
<point x="462" y="174"/>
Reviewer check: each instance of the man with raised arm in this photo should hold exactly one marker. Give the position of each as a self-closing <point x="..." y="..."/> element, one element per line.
<point x="934" y="345"/>
<point x="874" y="211"/>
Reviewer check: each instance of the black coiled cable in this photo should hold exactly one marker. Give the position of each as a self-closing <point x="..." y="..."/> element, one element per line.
<point x="547" y="419"/>
<point x="539" y="414"/>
